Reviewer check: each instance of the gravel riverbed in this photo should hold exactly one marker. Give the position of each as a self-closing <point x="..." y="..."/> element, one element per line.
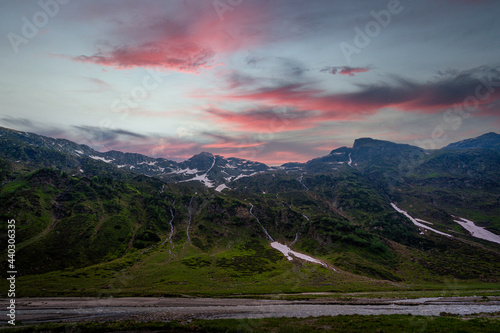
<point x="36" y="310"/>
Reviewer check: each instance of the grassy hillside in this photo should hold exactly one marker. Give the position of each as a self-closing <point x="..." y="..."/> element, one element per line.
<point x="105" y="235"/>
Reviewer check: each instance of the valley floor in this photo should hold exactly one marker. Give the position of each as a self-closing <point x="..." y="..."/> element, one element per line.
<point x="45" y="310"/>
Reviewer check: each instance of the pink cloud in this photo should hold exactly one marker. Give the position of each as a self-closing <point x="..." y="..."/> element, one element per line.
<point x="263" y="120"/>
<point x="182" y="58"/>
<point x="188" y="41"/>
<point x="344" y="70"/>
<point x="311" y="105"/>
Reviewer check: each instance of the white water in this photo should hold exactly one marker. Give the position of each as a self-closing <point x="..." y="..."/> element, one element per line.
<point x="169" y="239"/>
<point x="350" y="160"/>
<point x="189" y="222"/>
<point x="478" y="232"/>
<point x="417" y="223"/>
<point x="267" y="234"/>
<point x="297" y="233"/>
<point x="121" y="308"/>
<point x="300" y="180"/>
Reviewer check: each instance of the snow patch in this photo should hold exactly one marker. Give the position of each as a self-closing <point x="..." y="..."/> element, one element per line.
<point x="424" y="221"/>
<point x="288" y="253"/>
<point x="101" y="159"/>
<point x="79" y="152"/>
<point x="242" y="176"/>
<point x="148" y="163"/>
<point x="478" y="232"/>
<point x="186" y="171"/>
<point x="202" y="178"/>
<point x="221" y="187"/>
<point x="417" y="223"/>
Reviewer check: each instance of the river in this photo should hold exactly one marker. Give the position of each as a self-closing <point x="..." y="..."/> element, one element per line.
<point x="32" y="310"/>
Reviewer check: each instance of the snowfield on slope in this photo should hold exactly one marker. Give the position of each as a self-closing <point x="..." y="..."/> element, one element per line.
<point x="417" y="223"/>
<point x="101" y="159"/>
<point x="288" y="253"/>
<point x="203" y="177"/>
<point x="478" y="232"/>
<point x="221" y="187"/>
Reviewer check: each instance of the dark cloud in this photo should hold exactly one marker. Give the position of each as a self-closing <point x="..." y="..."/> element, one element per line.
<point x="27" y="125"/>
<point x="102" y="138"/>
<point x="265" y="119"/>
<point x="101" y="85"/>
<point x="344" y="70"/>
<point x="107" y="133"/>
<point x="290" y="67"/>
<point x="18" y="122"/>
<point x="482" y="85"/>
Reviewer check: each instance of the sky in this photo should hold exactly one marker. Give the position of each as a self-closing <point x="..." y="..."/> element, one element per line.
<point x="271" y="81"/>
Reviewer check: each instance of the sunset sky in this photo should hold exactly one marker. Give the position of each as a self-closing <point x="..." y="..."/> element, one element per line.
<point x="269" y="80"/>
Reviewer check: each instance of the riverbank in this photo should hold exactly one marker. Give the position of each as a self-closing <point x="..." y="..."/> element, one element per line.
<point x="151" y="309"/>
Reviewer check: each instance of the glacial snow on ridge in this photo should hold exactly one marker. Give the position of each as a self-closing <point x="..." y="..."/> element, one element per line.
<point x="203" y="177"/>
<point x="148" y="163"/>
<point x="186" y="171"/>
<point x="242" y="175"/>
<point x="100" y="159"/>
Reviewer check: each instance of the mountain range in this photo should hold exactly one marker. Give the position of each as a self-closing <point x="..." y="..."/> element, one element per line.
<point x="373" y="215"/>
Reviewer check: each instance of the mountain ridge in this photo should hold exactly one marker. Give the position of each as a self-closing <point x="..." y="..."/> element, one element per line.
<point x="489" y="140"/>
<point x="84" y="214"/>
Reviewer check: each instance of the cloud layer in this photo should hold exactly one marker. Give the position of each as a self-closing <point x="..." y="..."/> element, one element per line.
<point x="257" y="79"/>
<point x="344" y="70"/>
